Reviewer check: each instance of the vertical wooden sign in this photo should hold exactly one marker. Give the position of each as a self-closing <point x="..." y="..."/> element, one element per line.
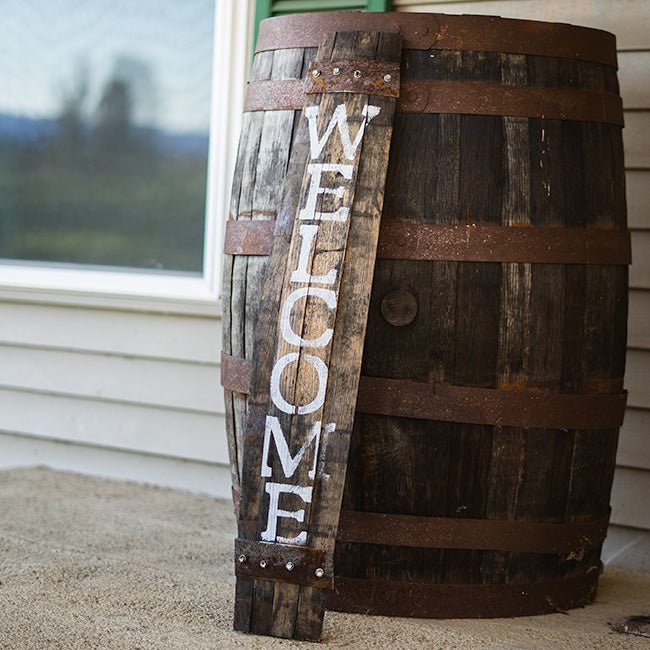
<point x="309" y="337"/>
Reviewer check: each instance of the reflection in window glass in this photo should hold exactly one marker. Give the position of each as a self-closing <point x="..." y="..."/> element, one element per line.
<point x="104" y="119"/>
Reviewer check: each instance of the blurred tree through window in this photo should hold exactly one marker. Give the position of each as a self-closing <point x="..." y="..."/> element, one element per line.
<point x="104" y="132"/>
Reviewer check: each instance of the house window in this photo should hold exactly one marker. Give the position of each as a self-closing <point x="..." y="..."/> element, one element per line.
<point x="104" y="134"/>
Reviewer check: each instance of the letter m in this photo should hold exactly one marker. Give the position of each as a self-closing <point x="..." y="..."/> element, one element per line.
<point x="289" y="463"/>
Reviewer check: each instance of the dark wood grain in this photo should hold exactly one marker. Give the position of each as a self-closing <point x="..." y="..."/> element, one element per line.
<point x="557" y="328"/>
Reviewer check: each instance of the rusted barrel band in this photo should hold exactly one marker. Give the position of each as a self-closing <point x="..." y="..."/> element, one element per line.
<point x="422" y="600"/>
<point x="426" y="31"/>
<point x="248" y="237"/>
<point x="462" y="97"/>
<point x="403" y="240"/>
<point x="468" y="404"/>
<point x="488" y="98"/>
<point x="491" y="406"/>
<point x="571" y="539"/>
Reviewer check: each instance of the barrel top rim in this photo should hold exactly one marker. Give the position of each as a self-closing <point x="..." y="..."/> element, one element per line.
<point x="439" y="31"/>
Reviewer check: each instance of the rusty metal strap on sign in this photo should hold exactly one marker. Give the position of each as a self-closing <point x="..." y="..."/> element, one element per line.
<point x="404" y="240"/>
<point x="369" y="77"/>
<point x="462" y="97"/>
<point x="423" y="600"/>
<point x="426" y="31"/>
<point x="469" y="404"/>
<point x="283" y="563"/>
<point x="571" y="538"/>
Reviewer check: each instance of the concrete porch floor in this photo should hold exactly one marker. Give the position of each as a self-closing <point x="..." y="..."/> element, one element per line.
<point x="91" y="563"/>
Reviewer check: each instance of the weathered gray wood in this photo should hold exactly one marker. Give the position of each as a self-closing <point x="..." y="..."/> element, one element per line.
<point x="263" y="157"/>
<point x="508" y="444"/>
<point x="349" y="246"/>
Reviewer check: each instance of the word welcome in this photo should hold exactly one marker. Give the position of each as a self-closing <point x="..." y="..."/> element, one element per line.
<point x="323" y="287"/>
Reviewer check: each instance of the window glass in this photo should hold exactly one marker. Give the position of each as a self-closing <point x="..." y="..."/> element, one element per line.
<point x="104" y="125"/>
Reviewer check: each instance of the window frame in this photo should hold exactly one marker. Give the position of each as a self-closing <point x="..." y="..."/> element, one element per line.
<point x="166" y="291"/>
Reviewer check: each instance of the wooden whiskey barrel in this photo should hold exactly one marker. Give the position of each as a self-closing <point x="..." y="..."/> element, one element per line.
<point x="492" y="377"/>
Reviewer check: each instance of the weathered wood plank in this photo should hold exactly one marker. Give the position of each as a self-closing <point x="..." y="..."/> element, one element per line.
<point x="509" y="444"/>
<point x="263" y="157"/>
<point x="337" y="252"/>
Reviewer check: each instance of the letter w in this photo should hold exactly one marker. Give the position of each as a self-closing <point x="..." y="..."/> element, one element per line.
<point x="340" y="120"/>
<point x="289" y="462"/>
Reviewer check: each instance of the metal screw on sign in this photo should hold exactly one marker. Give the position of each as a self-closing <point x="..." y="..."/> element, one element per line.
<point x="241" y="559"/>
<point x="336" y="72"/>
<point x="357" y="74"/>
<point x="289" y="566"/>
<point x="263" y="564"/>
<point x="315" y="73"/>
<point x="319" y="573"/>
<point x="387" y="78"/>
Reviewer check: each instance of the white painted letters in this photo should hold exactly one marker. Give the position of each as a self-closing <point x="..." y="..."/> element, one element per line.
<point x="340" y="119"/>
<point x="301" y="274"/>
<point x="274" y="490"/>
<point x="289" y="463"/>
<point x="276" y="373"/>
<point x="315" y="190"/>
<point x="337" y="178"/>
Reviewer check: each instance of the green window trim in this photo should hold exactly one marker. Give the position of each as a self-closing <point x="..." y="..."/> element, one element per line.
<point x="267" y="8"/>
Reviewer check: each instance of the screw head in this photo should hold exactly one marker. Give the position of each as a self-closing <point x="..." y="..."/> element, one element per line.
<point x="263" y="564"/>
<point x="241" y="559"/>
<point x="357" y="74"/>
<point x="315" y="73"/>
<point x="336" y="72"/>
<point x="289" y="566"/>
<point x="319" y="572"/>
<point x="387" y="78"/>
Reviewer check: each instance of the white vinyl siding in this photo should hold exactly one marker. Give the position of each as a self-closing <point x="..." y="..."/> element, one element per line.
<point x="109" y="374"/>
<point x="140" y="382"/>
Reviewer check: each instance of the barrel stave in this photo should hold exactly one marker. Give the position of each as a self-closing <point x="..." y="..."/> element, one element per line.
<point x="262" y="160"/>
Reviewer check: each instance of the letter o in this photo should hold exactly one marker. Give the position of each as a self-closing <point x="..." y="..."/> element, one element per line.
<point x="276" y="395"/>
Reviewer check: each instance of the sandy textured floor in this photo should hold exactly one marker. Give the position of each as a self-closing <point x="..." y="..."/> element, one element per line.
<point x="89" y="563"/>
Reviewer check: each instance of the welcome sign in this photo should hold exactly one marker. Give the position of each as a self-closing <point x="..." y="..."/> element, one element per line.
<point x="309" y="339"/>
